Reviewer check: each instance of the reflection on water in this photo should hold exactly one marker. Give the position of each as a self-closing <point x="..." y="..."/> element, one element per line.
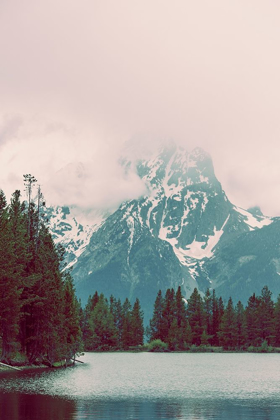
<point x="14" y="406"/>
<point x="44" y="407"/>
<point x="147" y="386"/>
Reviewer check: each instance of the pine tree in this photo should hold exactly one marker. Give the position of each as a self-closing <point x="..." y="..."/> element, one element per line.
<point x="104" y="332"/>
<point x="173" y="336"/>
<point x="156" y="330"/>
<point x="196" y="316"/>
<point x="71" y="320"/>
<point x="187" y="336"/>
<point x="181" y="318"/>
<point x="228" y="331"/>
<point x="137" y="328"/>
<point x="277" y="323"/>
<point x="215" y="320"/>
<point x="87" y="331"/>
<point x="240" y="325"/>
<point x="208" y="310"/>
<point x="253" y="329"/>
<point x="46" y="323"/>
<point x="9" y="289"/>
<point x="29" y="181"/>
<point x="169" y="312"/>
<point x="126" y="325"/>
<point x="266" y="315"/>
<point x="117" y="312"/>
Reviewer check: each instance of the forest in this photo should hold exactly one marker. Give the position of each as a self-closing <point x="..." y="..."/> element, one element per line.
<point x="42" y="321"/>
<point x="201" y="323"/>
<point x="39" y="312"/>
<point x="207" y="321"/>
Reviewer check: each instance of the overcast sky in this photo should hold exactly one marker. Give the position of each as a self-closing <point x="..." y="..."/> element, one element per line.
<point x="80" y="78"/>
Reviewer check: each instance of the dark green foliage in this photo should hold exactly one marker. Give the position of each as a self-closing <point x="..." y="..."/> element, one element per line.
<point x="277" y="323"/>
<point x="156" y="330"/>
<point x="205" y="322"/>
<point x="71" y="315"/>
<point x="101" y="323"/>
<point x="39" y="314"/>
<point x="137" y="328"/>
<point x="252" y="322"/>
<point x="266" y="316"/>
<point x="241" y="326"/>
<point x="228" y="329"/>
<point x="196" y="316"/>
<point x="126" y="335"/>
<point x="112" y="326"/>
<point x="10" y="287"/>
<point x="116" y="311"/>
<point x="157" y="346"/>
<point x="215" y="320"/>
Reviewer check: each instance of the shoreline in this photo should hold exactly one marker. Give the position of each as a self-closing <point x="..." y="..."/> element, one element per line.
<point x="60" y="365"/>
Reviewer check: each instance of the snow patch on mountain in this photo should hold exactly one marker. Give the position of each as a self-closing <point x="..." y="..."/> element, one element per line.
<point x="130" y="224"/>
<point x="67" y="231"/>
<point x="254" y="222"/>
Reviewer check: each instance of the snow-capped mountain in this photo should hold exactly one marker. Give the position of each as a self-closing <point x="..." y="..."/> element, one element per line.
<point x="71" y="234"/>
<point x="184" y="231"/>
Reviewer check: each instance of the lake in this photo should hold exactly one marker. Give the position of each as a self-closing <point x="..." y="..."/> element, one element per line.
<point x="147" y="386"/>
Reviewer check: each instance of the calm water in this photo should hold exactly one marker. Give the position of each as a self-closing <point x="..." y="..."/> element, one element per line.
<point x="147" y="386"/>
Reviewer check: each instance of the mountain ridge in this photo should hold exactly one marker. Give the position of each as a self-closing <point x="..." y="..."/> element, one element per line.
<point x="174" y="235"/>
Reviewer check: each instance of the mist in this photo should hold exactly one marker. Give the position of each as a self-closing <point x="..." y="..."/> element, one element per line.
<point x="80" y="79"/>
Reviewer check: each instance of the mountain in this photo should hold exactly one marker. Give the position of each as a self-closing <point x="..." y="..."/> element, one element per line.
<point x="69" y="233"/>
<point x="184" y="231"/>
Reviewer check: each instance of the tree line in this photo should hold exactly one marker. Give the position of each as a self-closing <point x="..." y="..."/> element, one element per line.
<point x="39" y="312"/>
<point x="208" y="322"/>
<point x="111" y="325"/>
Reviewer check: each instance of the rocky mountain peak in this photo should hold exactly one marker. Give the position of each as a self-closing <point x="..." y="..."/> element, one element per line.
<point x="178" y="233"/>
<point x="255" y="211"/>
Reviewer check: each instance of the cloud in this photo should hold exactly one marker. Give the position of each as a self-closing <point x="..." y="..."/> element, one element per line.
<point x="72" y="168"/>
<point x="96" y="184"/>
<point x="9" y="128"/>
<point x="84" y="77"/>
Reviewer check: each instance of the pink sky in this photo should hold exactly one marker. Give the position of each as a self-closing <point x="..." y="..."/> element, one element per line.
<point x="79" y="78"/>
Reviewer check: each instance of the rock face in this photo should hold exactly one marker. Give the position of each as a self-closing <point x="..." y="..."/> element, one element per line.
<point x="184" y="232"/>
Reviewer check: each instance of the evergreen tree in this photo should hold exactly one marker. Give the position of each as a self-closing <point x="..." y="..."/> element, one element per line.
<point x="196" y="316"/>
<point x="228" y="331"/>
<point x="207" y="303"/>
<point x="137" y="328"/>
<point x="253" y="329"/>
<point x="29" y="181"/>
<point x="104" y="332"/>
<point x="71" y="320"/>
<point x="221" y="309"/>
<point x="215" y="320"/>
<point x="240" y="325"/>
<point x="277" y="323"/>
<point x="9" y="288"/>
<point x="87" y="331"/>
<point x="173" y="336"/>
<point x="266" y="315"/>
<point x="169" y="313"/>
<point x="126" y="325"/>
<point x="45" y="322"/>
<point x="117" y="312"/>
<point x="156" y="330"/>
<point x="181" y="318"/>
<point x="187" y="336"/>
